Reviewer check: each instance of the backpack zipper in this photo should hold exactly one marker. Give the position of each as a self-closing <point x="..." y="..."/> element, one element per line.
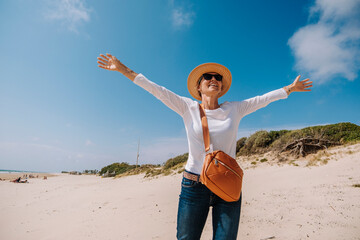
<point x="218" y="161"/>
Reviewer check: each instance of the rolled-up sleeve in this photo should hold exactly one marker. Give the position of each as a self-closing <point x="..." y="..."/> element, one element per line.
<point x="250" y="105"/>
<point x="173" y="101"/>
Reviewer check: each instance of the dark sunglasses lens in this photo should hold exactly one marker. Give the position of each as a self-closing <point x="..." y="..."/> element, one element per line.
<point x="218" y="77"/>
<point x="207" y="76"/>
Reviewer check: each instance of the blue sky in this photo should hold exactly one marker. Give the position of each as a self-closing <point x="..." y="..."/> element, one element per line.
<point x="59" y="111"/>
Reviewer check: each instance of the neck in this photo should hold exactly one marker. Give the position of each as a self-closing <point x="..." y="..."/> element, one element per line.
<point x="209" y="102"/>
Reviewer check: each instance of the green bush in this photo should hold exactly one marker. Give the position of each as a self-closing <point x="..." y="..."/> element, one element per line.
<point x="263" y="141"/>
<point x="338" y="133"/>
<point x="240" y="143"/>
<point x="175" y="161"/>
<point x="274" y="135"/>
<point x="258" y="142"/>
<point x="90" y="171"/>
<point x="255" y="143"/>
<point x="117" y="168"/>
<point x="125" y="169"/>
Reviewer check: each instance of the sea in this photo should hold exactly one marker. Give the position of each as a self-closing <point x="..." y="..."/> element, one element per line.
<point x="14" y="171"/>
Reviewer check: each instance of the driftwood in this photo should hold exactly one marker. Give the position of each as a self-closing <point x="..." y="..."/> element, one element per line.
<point x="305" y="146"/>
<point x="108" y="174"/>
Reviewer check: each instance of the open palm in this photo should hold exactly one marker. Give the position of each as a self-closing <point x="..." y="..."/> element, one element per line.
<point x="109" y="62"/>
<point x="301" y="86"/>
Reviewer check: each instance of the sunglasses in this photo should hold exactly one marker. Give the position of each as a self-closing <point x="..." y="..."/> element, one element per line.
<point x="208" y="76"/>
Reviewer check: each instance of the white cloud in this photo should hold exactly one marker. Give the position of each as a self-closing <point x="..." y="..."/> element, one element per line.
<point x="334" y="9"/>
<point x="182" y="14"/>
<point x="34" y="139"/>
<point x="181" y="18"/>
<point x="329" y="47"/>
<point x="89" y="143"/>
<point x="71" y="13"/>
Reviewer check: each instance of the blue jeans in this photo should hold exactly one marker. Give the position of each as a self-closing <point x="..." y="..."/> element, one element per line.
<point x="195" y="201"/>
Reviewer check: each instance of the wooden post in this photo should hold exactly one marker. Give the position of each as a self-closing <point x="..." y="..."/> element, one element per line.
<point x="137" y="156"/>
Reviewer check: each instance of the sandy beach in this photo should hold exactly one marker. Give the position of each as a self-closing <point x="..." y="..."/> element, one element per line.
<point x="279" y="202"/>
<point x="13" y="175"/>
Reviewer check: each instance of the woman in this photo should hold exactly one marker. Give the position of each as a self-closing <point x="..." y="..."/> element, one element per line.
<point x="206" y="83"/>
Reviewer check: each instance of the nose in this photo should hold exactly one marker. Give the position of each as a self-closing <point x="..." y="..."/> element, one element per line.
<point x="213" y="80"/>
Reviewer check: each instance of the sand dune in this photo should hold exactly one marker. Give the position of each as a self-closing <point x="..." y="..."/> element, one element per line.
<point x="279" y="202"/>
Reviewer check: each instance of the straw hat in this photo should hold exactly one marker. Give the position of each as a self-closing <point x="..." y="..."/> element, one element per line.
<point x="197" y="72"/>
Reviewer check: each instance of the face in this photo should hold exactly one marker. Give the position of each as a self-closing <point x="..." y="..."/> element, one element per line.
<point x="210" y="87"/>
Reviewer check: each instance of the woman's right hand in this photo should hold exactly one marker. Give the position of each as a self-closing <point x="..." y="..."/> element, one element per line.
<point x="111" y="63"/>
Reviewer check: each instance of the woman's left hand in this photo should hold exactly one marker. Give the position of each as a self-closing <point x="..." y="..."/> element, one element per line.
<point x="299" y="86"/>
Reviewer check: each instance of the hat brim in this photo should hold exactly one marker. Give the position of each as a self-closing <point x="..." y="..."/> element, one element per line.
<point x="197" y="72"/>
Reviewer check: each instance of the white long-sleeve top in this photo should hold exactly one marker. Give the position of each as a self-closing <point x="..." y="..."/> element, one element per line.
<point x="223" y="122"/>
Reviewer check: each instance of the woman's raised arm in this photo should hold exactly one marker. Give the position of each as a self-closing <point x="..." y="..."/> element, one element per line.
<point x="173" y="101"/>
<point x="111" y="63"/>
<point x="250" y="105"/>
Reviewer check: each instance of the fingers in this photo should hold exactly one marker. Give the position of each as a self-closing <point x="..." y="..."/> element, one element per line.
<point x="307" y="83"/>
<point x="303" y="85"/>
<point x="306" y="80"/>
<point x="102" y="64"/>
<point x="111" y="56"/>
<point x="306" y="87"/>
<point x="107" y="58"/>
<point x="104" y="56"/>
<point x="106" y="61"/>
<point x="102" y="61"/>
<point x="302" y="90"/>
<point x="107" y="68"/>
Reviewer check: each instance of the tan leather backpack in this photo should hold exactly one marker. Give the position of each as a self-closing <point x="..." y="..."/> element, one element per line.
<point x="220" y="172"/>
